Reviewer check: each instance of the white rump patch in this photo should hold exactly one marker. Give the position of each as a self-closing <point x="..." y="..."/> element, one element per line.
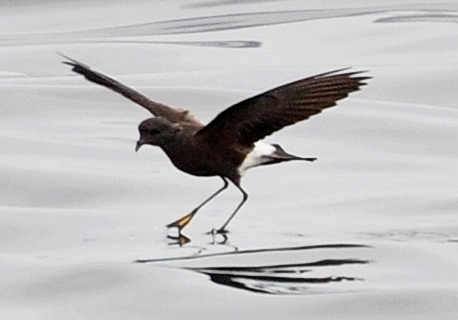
<point x="257" y="156"/>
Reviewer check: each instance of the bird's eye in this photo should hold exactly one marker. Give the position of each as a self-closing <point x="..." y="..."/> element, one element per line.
<point x="154" y="131"/>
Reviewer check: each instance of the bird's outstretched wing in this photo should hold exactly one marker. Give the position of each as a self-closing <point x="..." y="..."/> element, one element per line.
<point x="252" y="119"/>
<point x="157" y="109"/>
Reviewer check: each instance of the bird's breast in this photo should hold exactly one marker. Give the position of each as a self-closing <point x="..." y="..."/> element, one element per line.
<point x="204" y="160"/>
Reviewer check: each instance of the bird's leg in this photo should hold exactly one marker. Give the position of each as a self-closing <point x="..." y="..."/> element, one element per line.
<point x="183" y="222"/>
<point x="223" y="230"/>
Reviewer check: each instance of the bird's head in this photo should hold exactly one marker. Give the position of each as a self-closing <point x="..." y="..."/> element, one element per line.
<point x="156" y="132"/>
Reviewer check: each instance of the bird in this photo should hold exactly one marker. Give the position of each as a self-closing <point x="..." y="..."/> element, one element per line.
<point x="230" y="144"/>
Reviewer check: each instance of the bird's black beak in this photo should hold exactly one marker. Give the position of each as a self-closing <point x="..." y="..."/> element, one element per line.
<point x="139" y="144"/>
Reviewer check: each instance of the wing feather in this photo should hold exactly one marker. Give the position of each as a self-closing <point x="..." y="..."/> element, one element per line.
<point x="254" y="118"/>
<point x="157" y="109"/>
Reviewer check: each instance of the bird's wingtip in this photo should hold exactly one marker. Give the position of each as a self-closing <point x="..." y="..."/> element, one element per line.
<point x="341" y="71"/>
<point x="72" y="62"/>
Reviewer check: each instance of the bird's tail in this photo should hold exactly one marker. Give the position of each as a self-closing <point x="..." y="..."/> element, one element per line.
<point x="281" y="155"/>
<point x="306" y="159"/>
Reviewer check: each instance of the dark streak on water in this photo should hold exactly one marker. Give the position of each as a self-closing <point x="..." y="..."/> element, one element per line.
<point x="239" y="44"/>
<point x="287" y="268"/>
<point x="284" y="279"/>
<point x="250" y="251"/>
<point x="276" y="279"/>
<point x="443" y="17"/>
<point x="220" y="3"/>
<point x="237" y="21"/>
<point x="227" y="22"/>
<point x="271" y="285"/>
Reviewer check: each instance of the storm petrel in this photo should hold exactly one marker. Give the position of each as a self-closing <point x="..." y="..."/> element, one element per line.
<point x="230" y="144"/>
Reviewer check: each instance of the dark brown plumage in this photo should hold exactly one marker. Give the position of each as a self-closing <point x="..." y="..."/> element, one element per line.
<point x="229" y="144"/>
<point x="255" y="118"/>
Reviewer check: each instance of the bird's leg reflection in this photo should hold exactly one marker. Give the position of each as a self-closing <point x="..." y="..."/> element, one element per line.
<point x="214" y="232"/>
<point x="217" y="239"/>
<point x="224" y="237"/>
<point x="180" y="239"/>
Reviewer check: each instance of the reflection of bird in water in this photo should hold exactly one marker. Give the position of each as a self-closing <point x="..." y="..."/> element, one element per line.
<point x="229" y="144"/>
<point x="283" y="270"/>
<point x="217" y="239"/>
